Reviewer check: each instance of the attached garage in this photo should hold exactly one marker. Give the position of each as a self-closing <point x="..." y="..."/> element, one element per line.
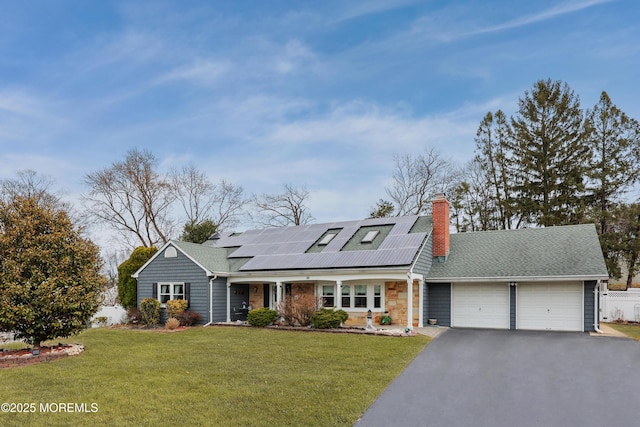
<point x="550" y="306"/>
<point x="480" y="305"/>
<point x="545" y="279"/>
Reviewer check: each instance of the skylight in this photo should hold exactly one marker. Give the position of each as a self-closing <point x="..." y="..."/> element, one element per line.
<point x="368" y="238"/>
<point x="326" y="239"/>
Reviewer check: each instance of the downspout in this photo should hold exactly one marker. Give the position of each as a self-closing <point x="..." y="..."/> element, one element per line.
<point x="596" y="314"/>
<point x="211" y="300"/>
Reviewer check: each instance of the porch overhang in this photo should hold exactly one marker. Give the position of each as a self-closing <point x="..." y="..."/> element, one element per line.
<point x="318" y="275"/>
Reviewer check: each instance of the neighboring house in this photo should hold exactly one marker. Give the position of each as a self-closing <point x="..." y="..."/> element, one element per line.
<point x="409" y="267"/>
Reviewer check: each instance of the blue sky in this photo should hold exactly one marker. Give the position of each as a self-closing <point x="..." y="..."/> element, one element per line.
<point x="264" y="93"/>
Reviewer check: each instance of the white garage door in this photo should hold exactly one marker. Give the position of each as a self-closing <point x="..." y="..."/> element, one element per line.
<point x="549" y="306"/>
<point x="482" y="305"/>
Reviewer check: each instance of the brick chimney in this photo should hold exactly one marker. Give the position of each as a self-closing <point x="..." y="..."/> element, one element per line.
<point x="440" y="217"/>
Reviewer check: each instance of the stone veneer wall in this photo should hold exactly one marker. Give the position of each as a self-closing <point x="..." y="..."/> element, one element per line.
<point x="395" y="303"/>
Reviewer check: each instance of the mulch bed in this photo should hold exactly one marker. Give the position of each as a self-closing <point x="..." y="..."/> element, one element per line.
<point x="343" y="330"/>
<point x="24" y="357"/>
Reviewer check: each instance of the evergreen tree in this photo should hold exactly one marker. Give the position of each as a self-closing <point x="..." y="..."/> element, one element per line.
<point x="492" y="154"/>
<point x="626" y="225"/>
<point x="50" y="282"/>
<point x="127" y="285"/>
<point x="614" y="140"/>
<point x="550" y="154"/>
<point x="198" y="232"/>
<point x="382" y="209"/>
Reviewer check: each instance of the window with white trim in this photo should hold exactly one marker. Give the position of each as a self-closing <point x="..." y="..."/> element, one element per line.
<point x="356" y="296"/>
<point x="328" y="296"/>
<point x="169" y="291"/>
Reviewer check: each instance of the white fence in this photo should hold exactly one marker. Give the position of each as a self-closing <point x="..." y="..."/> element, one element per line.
<point x="113" y="313"/>
<point x="620" y="305"/>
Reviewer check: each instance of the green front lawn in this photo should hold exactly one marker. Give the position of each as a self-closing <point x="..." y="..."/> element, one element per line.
<point x="630" y="330"/>
<point x="211" y="376"/>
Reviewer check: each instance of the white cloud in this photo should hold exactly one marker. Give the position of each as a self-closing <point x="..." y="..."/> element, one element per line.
<point x="561" y="9"/>
<point x="199" y="72"/>
<point x="293" y="56"/>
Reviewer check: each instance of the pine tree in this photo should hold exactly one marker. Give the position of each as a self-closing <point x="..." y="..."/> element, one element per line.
<point x="614" y="139"/>
<point x="550" y="154"/>
<point x="492" y="154"/>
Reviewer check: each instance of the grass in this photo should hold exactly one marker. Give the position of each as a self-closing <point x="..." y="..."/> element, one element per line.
<point x="211" y="376"/>
<point x="630" y="330"/>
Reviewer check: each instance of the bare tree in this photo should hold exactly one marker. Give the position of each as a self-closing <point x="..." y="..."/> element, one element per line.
<point x="222" y="204"/>
<point x="133" y="199"/>
<point x="30" y="185"/>
<point x="288" y="208"/>
<point x="228" y="204"/>
<point x="472" y="200"/>
<point x="416" y="179"/>
<point x="192" y="189"/>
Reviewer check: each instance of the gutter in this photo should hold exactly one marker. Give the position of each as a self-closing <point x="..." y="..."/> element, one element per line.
<point x="211" y="300"/>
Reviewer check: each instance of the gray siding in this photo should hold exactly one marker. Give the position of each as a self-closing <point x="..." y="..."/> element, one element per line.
<point x="425" y="258"/>
<point x="438" y="303"/>
<point x="178" y="269"/>
<point x="220" y="300"/>
<point x="588" y="305"/>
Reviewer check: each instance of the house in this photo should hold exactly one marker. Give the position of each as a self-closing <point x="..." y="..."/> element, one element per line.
<point x="408" y="267"/>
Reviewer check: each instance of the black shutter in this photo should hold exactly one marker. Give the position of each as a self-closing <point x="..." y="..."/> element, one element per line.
<point x="154" y="290"/>
<point x="187" y="292"/>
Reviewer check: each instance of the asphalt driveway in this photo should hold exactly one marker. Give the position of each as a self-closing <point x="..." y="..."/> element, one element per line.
<point x="515" y="378"/>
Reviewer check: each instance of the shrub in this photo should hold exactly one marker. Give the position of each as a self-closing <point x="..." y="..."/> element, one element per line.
<point x="326" y="319"/>
<point x="134" y="316"/>
<point x="172" y="323"/>
<point x="385" y="320"/>
<point x="176" y="306"/>
<point x="262" y="317"/>
<point x="188" y="318"/>
<point x="150" y="308"/>
<point x="343" y="315"/>
<point x="297" y="310"/>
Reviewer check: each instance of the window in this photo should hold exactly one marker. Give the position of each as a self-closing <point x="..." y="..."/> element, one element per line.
<point x="377" y="296"/>
<point x="328" y="296"/>
<point x="169" y="291"/>
<point x="360" y="296"/>
<point x="357" y="296"/>
<point x="368" y="238"/>
<point x="326" y="239"/>
<point x="346" y="296"/>
<point x="170" y="252"/>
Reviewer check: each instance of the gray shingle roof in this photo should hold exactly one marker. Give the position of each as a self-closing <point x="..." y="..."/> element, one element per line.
<point x="213" y="259"/>
<point x="569" y="251"/>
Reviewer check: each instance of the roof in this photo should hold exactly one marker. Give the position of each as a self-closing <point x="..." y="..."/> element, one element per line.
<point x="212" y="259"/>
<point x="297" y="247"/>
<point x="535" y="253"/>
